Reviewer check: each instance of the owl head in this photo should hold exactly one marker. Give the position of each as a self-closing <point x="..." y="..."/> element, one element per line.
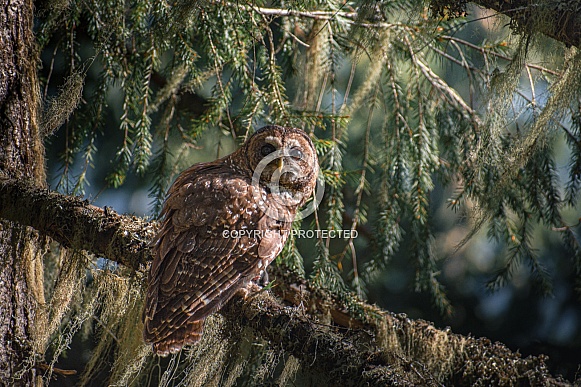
<point x="284" y="160"/>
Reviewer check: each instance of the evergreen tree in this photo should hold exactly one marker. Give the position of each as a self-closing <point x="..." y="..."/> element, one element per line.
<point x="131" y="93"/>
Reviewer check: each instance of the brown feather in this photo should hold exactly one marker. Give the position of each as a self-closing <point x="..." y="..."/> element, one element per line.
<point x="189" y="333"/>
<point x="196" y="269"/>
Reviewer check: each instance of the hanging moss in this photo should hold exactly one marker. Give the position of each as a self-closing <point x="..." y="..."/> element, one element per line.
<point x="150" y="82"/>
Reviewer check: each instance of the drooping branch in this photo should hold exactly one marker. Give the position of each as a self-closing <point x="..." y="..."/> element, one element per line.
<point x="383" y="350"/>
<point x="561" y="19"/>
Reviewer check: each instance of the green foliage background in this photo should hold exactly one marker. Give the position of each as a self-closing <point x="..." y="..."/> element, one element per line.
<point x="450" y="145"/>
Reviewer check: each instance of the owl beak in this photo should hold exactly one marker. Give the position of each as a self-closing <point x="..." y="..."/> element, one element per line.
<point x="280" y="164"/>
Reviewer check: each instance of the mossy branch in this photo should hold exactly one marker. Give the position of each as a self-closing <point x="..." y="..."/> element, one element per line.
<point x="326" y="351"/>
<point x="560" y="20"/>
<point x="381" y="348"/>
<point x="385" y="349"/>
<point x="77" y="224"/>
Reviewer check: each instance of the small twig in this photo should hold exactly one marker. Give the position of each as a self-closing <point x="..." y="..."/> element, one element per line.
<point x="565" y="227"/>
<point x="498" y="55"/>
<point x="54" y="370"/>
<point x="105" y="328"/>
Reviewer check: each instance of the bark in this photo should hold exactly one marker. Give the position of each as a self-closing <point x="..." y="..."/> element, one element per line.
<point x="77" y="224"/>
<point x="21" y="157"/>
<point x="370" y="347"/>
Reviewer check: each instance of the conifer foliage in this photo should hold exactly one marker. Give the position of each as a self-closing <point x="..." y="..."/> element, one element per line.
<point x="366" y="79"/>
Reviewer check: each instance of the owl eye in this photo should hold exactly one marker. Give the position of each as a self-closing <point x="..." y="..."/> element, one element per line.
<point x="267" y="149"/>
<point x="296" y="153"/>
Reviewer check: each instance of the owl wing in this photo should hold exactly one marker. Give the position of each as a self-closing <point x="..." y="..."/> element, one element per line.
<point x="196" y="266"/>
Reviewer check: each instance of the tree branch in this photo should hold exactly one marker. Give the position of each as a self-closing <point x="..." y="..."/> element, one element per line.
<point x="387" y="349"/>
<point x="383" y="350"/>
<point x="77" y="224"/>
<point x="560" y="20"/>
<point x="339" y="356"/>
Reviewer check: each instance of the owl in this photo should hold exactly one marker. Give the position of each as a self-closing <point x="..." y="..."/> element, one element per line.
<point x="223" y="223"/>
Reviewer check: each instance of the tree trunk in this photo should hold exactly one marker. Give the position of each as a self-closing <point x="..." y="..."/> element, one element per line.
<point x="21" y="157"/>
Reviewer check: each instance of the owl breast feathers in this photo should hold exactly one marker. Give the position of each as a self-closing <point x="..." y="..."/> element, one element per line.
<point x="223" y="223"/>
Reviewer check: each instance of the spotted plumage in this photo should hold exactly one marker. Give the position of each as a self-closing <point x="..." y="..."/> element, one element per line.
<point x="223" y="223"/>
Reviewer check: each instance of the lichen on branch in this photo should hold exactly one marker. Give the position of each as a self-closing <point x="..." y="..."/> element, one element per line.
<point x="372" y="347"/>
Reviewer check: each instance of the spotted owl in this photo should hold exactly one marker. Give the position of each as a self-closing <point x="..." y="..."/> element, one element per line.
<point x="223" y="223"/>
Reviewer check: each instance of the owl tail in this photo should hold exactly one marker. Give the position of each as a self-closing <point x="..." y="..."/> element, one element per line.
<point x="189" y="333"/>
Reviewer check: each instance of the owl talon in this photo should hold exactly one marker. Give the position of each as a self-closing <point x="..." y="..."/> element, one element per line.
<point x="243" y="292"/>
<point x="247" y="291"/>
<point x="262" y="280"/>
